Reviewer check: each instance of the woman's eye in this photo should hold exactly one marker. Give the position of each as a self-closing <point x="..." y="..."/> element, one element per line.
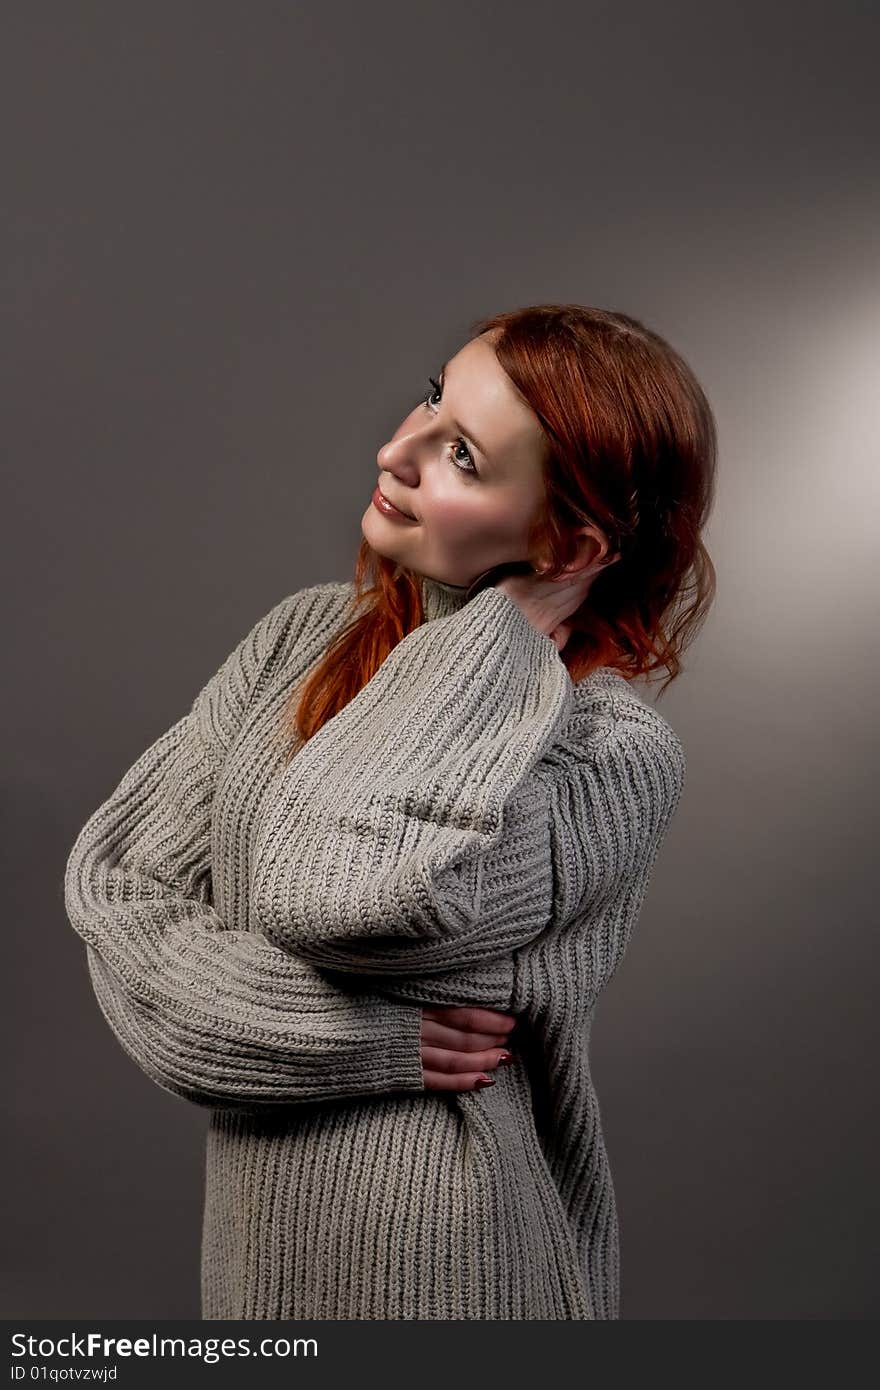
<point x="463" y="467"/>
<point x="469" y="465"/>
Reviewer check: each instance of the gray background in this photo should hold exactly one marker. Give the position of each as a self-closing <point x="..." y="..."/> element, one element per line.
<point x="239" y="236"/>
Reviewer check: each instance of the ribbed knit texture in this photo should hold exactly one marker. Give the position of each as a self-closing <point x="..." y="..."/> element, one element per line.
<point x="472" y="828"/>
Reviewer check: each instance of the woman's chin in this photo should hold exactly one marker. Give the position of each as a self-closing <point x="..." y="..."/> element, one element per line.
<point x="381" y="535"/>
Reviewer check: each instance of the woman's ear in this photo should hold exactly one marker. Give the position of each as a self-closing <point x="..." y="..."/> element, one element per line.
<point x="601" y="553"/>
<point x="592" y="555"/>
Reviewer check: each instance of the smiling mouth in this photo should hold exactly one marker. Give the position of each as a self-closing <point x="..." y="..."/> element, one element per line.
<point x="394" y="505"/>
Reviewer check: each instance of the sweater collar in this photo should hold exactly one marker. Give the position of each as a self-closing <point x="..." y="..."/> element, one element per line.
<point x="439" y="599"/>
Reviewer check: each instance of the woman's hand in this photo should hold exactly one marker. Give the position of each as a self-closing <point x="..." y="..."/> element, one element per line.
<point x="461" y="1044"/>
<point x="548" y="602"/>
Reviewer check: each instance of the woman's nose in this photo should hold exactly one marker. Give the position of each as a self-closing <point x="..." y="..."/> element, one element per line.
<point x="401" y="459"/>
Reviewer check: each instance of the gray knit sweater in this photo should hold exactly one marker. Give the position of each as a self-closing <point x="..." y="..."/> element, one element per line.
<point x="472" y="828"/>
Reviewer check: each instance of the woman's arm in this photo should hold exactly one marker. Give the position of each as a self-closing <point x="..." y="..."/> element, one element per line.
<point x="441" y="818"/>
<point x="612" y="798"/>
<point x="219" y="1017"/>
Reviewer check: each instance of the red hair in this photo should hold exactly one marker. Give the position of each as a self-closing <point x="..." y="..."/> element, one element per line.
<point x="632" y="449"/>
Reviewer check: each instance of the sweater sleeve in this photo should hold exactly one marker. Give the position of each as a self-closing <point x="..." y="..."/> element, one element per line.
<point x="216" y="1016"/>
<point x="612" y="794"/>
<point x="408" y="834"/>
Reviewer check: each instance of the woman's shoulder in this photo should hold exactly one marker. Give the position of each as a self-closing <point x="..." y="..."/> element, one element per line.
<point x="289" y="632"/>
<point x="314" y="606"/>
<point x="292" y="630"/>
<point x="304" y="611"/>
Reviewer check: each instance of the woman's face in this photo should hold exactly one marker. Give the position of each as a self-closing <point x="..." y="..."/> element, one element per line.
<point x="466" y="465"/>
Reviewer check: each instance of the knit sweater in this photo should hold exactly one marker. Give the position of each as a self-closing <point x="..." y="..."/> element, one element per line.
<point x="472" y="828"/>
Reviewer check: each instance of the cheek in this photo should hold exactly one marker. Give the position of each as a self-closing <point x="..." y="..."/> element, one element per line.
<point x="487" y="519"/>
<point x="475" y="532"/>
<point x="472" y="513"/>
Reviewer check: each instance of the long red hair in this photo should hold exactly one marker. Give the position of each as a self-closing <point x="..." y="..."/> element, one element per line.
<point x="632" y="448"/>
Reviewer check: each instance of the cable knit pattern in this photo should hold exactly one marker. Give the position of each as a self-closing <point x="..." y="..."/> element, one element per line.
<point x="473" y="827"/>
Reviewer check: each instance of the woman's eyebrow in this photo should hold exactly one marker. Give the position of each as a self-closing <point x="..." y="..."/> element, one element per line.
<point x="460" y="426"/>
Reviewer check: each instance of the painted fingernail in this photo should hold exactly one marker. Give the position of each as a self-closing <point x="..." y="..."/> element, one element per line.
<point x="483" y="1081"/>
<point x="504" y="1058"/>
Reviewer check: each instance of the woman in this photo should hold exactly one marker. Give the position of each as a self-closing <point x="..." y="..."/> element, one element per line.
<point x="403" y="817"/>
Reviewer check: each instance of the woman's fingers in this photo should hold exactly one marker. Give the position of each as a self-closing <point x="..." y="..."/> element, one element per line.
<point x="470" y="1016"/>
<point x="469" y="1019"/>
<point x="461" y="1081"/>
<point x="458" y="1039"/>
<point x="440" y="1060"/>
<point x="462" y="1045"/>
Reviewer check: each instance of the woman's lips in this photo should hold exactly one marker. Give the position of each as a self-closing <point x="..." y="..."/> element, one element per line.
<point x="388" y="509"/>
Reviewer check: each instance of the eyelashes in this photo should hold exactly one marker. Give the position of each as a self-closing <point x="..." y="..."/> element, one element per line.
<point x="470" y="467"/>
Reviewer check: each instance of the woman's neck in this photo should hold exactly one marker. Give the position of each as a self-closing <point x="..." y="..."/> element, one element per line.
<point x="439" y="599"/>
